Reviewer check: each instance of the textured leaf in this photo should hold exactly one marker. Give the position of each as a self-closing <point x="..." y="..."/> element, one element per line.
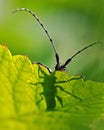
<point x="16" y="96"/>
<point x="27" y="90"/>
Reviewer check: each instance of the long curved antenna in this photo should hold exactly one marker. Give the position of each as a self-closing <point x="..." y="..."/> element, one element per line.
<point x="78" y="52"/>
<point x="47" y="33"/>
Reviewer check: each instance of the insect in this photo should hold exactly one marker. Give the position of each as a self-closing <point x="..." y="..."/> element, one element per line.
<point x="52" y="93"/>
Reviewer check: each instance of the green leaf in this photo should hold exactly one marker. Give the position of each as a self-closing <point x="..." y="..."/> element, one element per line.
<point x="16" y="95"/>
<point x="27" y="90"/>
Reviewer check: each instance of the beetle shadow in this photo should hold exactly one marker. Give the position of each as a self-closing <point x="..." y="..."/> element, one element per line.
<point x="50" y="89"/>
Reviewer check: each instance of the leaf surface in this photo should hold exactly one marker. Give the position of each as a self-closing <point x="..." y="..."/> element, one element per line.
<point x="27" y="89"/>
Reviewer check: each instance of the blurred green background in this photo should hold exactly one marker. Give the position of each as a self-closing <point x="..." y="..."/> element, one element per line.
<point x="72" y="24"/>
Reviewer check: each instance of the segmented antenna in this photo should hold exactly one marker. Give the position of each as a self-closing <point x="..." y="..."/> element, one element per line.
<point x="78" y="52"/>
<point x="58" y="66"/>
<point x="47" y="33"/>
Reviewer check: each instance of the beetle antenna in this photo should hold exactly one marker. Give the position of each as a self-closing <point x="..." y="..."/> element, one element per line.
<point x="47" y="33"/>
<point x="78" y="52"/>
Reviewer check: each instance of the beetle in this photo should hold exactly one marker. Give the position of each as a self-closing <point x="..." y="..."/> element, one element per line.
<point x="51" y="92"/>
